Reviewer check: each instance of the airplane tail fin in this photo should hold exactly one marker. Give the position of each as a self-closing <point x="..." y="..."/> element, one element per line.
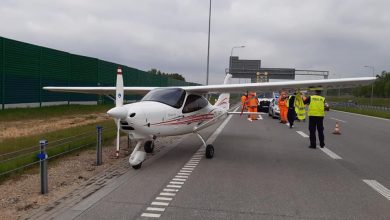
<point x="224" y="98"/>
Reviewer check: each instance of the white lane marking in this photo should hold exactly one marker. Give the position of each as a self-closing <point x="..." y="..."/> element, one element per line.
<point x="330" y="153"/>
<point x="184" y="174"/>
<point x="151" y="215"/>
<point x="178" y="179"/>
<point x="155" y="209"/>
<point x="194" y="160"/>
<point x="190" y="166"/>
<point x="173" y="186"/>
<point x="160" y="203"/>
<point x="187" y="168"/>
<point x="177" y="176"/>
<point x="368" y="116"/>
<point x="338" y="120"/>
<point x="176" y="183"/>
<point x="197" y="158"/>
<point x="170" y="190"/>
<point x="164" y="198"/>
<point x="219" y="130"/>
<point x="167" y="194"/>
<point x="379" y="188"/>
<point x="303" y="134"/>
<point x="186" y="171"/>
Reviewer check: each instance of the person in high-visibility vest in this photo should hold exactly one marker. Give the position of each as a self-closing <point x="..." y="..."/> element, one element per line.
<point x="291" y="115"/>
<point x="244" y="97"/>
<point x="282" y="103"/>
<point x="316" y="115"/>
<point x="253" y="102"/>
<point x="300" y="107"/>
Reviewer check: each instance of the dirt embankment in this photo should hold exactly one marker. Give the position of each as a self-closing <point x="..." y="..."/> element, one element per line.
<point x="15" y="129"/>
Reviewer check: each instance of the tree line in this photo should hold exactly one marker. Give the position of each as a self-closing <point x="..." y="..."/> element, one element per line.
<point x="381" y="87"/>
<point x="176" y="76"/>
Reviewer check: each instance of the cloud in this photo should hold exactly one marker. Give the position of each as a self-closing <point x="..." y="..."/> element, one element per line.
<point x="339" y="36"/>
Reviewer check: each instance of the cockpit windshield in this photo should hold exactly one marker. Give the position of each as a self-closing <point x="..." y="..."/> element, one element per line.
<point x="171" y="96"/>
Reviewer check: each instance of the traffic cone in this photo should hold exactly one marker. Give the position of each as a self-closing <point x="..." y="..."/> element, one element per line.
<point x="336" y="129"/>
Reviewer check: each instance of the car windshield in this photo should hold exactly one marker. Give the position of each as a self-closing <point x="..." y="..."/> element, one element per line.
<point x="173" y="96"/>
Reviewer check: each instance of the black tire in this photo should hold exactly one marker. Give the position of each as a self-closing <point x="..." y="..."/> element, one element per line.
<point x="209" y="151"/>
<point x="149" y="146"/>
<point x="136" y="167"/>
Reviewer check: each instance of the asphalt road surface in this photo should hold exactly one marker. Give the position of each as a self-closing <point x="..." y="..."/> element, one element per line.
<point x="260" y="170"/>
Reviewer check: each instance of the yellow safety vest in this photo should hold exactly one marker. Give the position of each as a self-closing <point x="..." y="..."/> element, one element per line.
<point x="300" y="108"/>
<point x="316" y="106"/>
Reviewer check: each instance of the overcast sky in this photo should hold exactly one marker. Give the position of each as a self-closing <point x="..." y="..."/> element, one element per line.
<point x="339" y="36"/>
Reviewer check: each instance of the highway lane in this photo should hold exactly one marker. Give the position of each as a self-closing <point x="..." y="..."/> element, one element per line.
<point x="261" y="170"/>
<point x="264" y="170"/>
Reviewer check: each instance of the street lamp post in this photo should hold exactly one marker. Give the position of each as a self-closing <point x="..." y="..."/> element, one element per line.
<point x="231" y="54"/>
<point x="372" y="86"/>
<point x="208" y="47"/>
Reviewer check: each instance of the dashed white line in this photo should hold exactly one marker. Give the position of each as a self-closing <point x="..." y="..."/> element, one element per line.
<point x="187" y="174"/>
<point x="176" y="183"/>
<point x="330" y="153"/>
<point x="173" y="186"/>
<point x="338" y="120"/>
<point x="177" y="176"/>
<point x="170" y="190"/>
<point x="179" y="179"/>
<point x="167" y="194"/>
<point x="151" y="215"/>
<point x="164" y="198"/>
<point x="186" y="171"/>
<point x="379" y="188"/>
<point x="160" y="203"/>
<point x="187" y="168"/>
<point x="155" y="209"/>
<point x="303" y="134"/>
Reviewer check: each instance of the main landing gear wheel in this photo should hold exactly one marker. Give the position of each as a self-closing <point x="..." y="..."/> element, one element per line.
<point x="209" y="151"/>
<point x="149" y="146"/>
<point x="136" y="167"/>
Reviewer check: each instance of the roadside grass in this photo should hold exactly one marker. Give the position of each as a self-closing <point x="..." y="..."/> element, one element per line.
<point x="18" y="114"/>
<point x="28" y="147"/>
<point x="380" y="114"/>
<point x="361" y="101"/>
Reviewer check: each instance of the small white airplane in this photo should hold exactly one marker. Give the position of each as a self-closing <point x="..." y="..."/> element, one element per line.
<point x="170" y="111"/>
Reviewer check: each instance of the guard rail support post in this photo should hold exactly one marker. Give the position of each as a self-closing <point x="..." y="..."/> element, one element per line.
<point x="43" y="166"/>
<point x="99" y="145"/>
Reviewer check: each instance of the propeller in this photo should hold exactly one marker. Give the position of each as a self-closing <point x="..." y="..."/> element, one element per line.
<point x="118" y="112"/>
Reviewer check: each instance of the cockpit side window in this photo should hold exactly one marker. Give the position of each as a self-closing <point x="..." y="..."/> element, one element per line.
<point x="172" y="96"/>
<point x="194" y="103"/>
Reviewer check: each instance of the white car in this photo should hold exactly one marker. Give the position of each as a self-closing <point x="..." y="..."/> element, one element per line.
<point x="274" y="111"/>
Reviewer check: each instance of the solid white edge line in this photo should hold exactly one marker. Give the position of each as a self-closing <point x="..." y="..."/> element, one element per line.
<point x="378" y="187"/>
<point x="155" y="209"/>
<point x="219" y="129"/>
<point x="330" y="153"/>
<point x="303" y="134"/>
<point x="151" y="215"/>
<point x="160" y="203"/>
<point x="368" y="116"/>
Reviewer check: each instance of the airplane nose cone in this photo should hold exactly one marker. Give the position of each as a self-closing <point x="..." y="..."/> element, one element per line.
<point x="118" y="112"/>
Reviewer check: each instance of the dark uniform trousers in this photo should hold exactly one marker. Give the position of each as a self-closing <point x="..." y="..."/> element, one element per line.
<point x="316" y="122"/>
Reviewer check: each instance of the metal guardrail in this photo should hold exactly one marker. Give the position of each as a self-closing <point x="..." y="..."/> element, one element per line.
<point x="354" y="105"/>
<point x="30" y="156"/>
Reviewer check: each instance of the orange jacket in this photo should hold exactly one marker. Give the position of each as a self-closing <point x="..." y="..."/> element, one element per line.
<point x="253" y="101"/>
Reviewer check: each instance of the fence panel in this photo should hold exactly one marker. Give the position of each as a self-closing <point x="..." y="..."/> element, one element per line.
<point x="22" y="65"/>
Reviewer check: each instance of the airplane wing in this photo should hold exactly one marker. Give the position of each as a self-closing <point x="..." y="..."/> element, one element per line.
<point x="100" y="90"/>
<point x="274" y="86"/>
<point x="230" y="88"/>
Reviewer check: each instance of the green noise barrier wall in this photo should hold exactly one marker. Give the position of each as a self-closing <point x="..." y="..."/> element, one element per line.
<point x="26" y="68"/>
